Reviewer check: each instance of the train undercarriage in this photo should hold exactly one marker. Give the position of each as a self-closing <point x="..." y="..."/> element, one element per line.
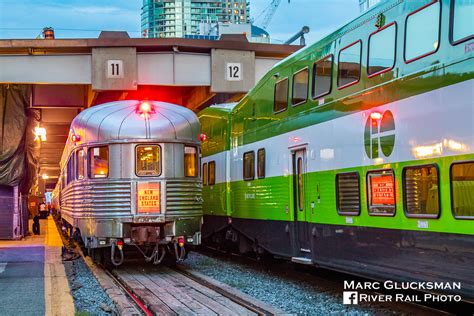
<point x="157" y="242"/>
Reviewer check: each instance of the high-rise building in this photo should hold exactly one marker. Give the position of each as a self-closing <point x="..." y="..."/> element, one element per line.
<point x="365" y="5"/>
<point x="179" y="18"/>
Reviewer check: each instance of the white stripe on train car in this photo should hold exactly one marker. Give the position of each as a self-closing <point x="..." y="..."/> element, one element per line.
<point x="441" y="120"/>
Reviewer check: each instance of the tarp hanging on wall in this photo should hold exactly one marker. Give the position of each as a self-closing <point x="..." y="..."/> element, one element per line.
<point x="18" y="150"/>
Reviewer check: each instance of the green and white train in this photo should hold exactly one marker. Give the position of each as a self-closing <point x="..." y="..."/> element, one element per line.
<point x="357" y="152"/>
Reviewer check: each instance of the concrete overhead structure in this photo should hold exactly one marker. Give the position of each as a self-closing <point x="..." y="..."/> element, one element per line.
<point x="69" y="75"/>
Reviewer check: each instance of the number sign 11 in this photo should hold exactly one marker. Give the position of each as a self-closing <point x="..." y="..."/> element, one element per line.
<point x="233" y="72"/>
<point x="114" y="69"/>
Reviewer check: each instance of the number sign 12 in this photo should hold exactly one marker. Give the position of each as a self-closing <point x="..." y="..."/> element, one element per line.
<point x="115" y="69"/>
<point x="233" y="72"/>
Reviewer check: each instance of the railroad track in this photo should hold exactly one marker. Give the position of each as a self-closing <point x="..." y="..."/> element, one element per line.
<point x="138" y="288"/>
<point x="165" y="290"/>
<point x="332" y="281"/>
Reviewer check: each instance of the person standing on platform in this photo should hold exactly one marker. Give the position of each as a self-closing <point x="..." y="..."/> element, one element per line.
<point x="43" y="211"/>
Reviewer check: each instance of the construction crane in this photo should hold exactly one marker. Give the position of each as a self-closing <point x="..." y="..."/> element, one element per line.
<point x="270" y="12"/>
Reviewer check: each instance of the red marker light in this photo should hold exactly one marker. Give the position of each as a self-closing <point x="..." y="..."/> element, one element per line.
<point x="145" y="109"/>
<point x="181" y="241"/>
<point x="202" y="137"/>
<point x="75" y="138"/>
<point x="120" y="244"/>
<point x="376" y="115"/>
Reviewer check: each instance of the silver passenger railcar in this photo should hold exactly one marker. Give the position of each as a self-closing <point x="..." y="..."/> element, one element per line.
<point x="130" y="175"/>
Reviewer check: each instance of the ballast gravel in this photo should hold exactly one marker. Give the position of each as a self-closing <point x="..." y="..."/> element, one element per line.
<point x="89" y="297"/>
<point x="301" y="295"/>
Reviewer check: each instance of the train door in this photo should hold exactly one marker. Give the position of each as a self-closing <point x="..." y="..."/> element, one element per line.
<point x="302" y="240"/>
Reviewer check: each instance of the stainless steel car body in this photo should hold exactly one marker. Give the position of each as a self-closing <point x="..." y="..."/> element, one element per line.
<point x="105" y="209"/>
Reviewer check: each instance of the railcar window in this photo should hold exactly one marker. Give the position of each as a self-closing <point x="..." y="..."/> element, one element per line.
<point x="421" y="191"/>
<point x="422" y="32"/>
<point x="322" y="77"/>
<point x="300" y="87"/>
<point x="462" y="189"/>
<point x="190" y="161"/>
<point x="349" y="65"/>
<point x="212" y="173"/>
<point x="382" y="50"/>
<point x="98" y="162"/>
<point x="80" y="159"/>
<point x="281" y="96"/>
<point x="299" y="171"/>
<point x="249" y="165"/>
<point x="204" y="174"/>
<point x="70" y="169"/>
<point x="148" y="160"/>
<point x="462" y="17"/>
<point x="261" y="163"/>
<point x="348" y="193"/>
<point x="381" y="192"/>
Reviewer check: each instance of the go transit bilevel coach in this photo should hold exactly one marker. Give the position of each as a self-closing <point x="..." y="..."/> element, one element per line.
<point x="356" y="153"/>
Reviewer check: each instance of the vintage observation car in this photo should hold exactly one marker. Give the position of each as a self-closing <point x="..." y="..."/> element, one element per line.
<point x="129" y="175"/>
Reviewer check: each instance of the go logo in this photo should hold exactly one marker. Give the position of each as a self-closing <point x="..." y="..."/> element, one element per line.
<point x="379" y="135"/>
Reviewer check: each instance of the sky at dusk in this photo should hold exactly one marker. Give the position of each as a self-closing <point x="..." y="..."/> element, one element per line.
<point x="85" y="18"/>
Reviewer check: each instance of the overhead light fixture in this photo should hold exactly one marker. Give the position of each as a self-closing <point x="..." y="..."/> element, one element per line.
<point x="45" y="176"/>
<point x="40" y="133"/>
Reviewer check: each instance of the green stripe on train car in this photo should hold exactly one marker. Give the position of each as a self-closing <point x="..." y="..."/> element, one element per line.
<point x="272" y="199"/>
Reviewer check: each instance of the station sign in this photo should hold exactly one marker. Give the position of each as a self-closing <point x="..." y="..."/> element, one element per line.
<point x="233" y="72"/>
<point x="115" y="69"/>
<point x="149" y="197"/>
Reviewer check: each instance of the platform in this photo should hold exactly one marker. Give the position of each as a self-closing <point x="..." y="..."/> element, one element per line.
<point x="32" y="276"/>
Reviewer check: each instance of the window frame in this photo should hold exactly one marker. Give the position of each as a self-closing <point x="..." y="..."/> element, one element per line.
<point x="313" y="77"/>
<point x="300" y="183"/>
<point x="409" y="215"/>
<point x="368" y="187"/>
<point x="264" y="163"/>
<point x="338" y="65"/>
<point x="439" y="32"/>
<point x="287" y="94"/>
<point x="197" y="160"/>
<point x="451" y="27"/>
<point x="70" y="166"/>
<point x="346" y="213"/>
<point x="89" y="169"/>
<point x="136" y="165"/>
<point x="204" y="174"/>
<point x="451" y="188"/>
<point x="293" y="86"/>
<point x="76" y="153"/>
<point x="253" y="165"/>
<point x="213" y="162"/>
<point x="369" y="75"/>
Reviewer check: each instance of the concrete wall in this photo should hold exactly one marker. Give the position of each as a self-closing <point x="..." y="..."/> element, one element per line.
<point x="232" y="71"/>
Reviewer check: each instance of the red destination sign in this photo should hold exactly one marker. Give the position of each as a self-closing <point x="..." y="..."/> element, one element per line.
<point x="383" y="192"/>
<point x="148" y="197"/>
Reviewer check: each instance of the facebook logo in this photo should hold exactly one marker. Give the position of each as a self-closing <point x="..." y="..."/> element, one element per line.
<point x="350" y="298"/>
